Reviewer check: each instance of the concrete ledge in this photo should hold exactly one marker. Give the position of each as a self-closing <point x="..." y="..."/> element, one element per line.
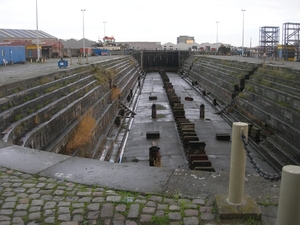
<point x="229" y="211"/>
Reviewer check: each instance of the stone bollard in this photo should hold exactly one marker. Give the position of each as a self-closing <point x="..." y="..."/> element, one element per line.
<point x="154" y="155"/>
<point x="237" y="164"/>
<point x="202" y="109"/>
<point x="153" y="111"/>
<point x="289" y="196"/>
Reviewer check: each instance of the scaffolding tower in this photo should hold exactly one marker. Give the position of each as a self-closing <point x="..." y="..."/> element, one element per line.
<point x="268" y="41"/>
<point x="291" y="41"/>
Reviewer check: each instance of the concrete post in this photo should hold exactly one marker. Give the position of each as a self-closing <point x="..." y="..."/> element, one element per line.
<point x="289" y="197"/>
<point x="202" y="109"/>
<point x="237" y="164"/>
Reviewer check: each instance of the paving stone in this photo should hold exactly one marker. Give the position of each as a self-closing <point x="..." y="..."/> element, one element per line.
<point x="191" y="212"/>
<point x="199" y="201"/>
<point x="32" y="190"/>
<point x="118" y="223"/>
<point x="6" y="194"/>
<point x="49" y="205"/>
<point x="5" y="223"/>
<point x="160" y="206"/>
<point x="23" y="201"/>
<point x="63" y="210"/>
<point x="77" y="205"/>
<point x="35" y="208"/>
<point x="5" y="218"/>
<point x="174" y="216"/>
<point x="34" y="215"/>
<point x="39" y="185"/>
<point x="113" y="198"/>
<point x="72" y="198"/>
<point x="84" y="199"/>
<point x="28" y="185"/>
<point x="174" y="207"/>
<point x="107" y="210"/>
<point x="37" y="202"/>
<point x="50" y="220"/>
<point x="145" y="218"/>
<point x="149" y="210"/>
<point x="160" y="213"/>
<point x="8" y="205"/>
<point x="34" y="196"/>
<point x="151" y="204"/>
<point x="17" y="220"/>
<point x="59" y="192"/>
<point x="155" y="198"/>
<point x="190" y="221"/>
<point x="46" y="197"/>
<point x="140" y="201"/>
<point x="119" y="217"/>
<point x="78" y="211"/>
<point x="81" y="194"/>
<point x="64" y="204"/>
<point x="191" y="206"/>
<point x="78" y="217"/>
<point x="121" y="208"/>
<point x="98" y="199"/>
<point x="93" y="215"/>
<point x="97" y="193"/>
<point x="134" y="211"/>
<point x="48" y="212"/>
<point x="6" y="212"/>
<point x="20" y="213"/>
<point x="207" y="209"/>
<point x="11" y="199"/>
<point x="129" y="222"/>
<point x="58" y="198"/>
<point x="208" y="216"/>
<point x="22" y="206"/>
<point x="64" y="217"/>
<point x="93" y="206"/>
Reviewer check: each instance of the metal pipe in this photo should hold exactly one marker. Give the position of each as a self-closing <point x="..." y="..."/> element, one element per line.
<point x="237" y="164"/>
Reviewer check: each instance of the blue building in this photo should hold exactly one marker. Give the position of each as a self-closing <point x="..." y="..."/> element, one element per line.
<point x="12" y="54"/>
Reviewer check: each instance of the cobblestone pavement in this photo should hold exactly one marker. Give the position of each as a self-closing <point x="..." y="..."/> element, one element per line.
<point x="30" y="199"/>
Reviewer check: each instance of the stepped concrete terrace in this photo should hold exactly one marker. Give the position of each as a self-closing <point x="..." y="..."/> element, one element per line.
<point x="41" y="187"/>
<point x="265" y="96"/>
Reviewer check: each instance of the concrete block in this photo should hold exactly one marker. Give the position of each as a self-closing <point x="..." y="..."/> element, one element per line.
<point x="152" y="134"/>
<point x="248" y="209"/>
<point x="223" y="136"/>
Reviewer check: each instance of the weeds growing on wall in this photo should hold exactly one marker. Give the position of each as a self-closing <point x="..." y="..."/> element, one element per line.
<point x="83" y="133"/>
<point x="104" y="75"/>
<point x="115" y="92"/>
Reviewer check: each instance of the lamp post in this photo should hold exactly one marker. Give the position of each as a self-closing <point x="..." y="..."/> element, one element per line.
<point x="243" y="10"/>
<point x="83" y="41"/>
<point x="217" y="22"/>
<point x="37" y="33"/>
<point x="104" y="28"/>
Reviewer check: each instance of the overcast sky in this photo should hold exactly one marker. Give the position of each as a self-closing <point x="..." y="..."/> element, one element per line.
<point x="156" y="20"/>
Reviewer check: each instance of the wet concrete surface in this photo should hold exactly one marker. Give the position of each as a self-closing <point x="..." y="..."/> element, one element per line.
<point x="173" y="177"/>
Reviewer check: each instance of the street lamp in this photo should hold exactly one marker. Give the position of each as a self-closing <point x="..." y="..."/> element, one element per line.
<point x="217" y="29"/>
<point x="37" y="33"/>
<point x="243" y="10"/>
<point x="83" y="10"/>
<point x="104" y="28"/>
